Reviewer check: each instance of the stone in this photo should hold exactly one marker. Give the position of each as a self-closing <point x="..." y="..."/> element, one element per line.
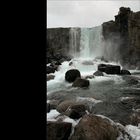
<point x="54" y="104"/>
<point x="92" y="127"/>
<point x="76" y="111"/>
<point x="98" y="73"/>
<point x="71" y="75"/>
<point x="89" y="77"/>
<point x="63" y="106"/>
<point x="58" y="130"/>
<point x="50" y="77"/>
<point x="109" y="69"/>
<point x="83" y="83"/>
<point x="50" y="69"/>
<point x="125" y="72"/>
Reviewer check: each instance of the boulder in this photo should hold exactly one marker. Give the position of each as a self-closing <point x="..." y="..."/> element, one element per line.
<point x="58" y="130"/>
<point x="63" y="106"/>
<point x="125" y="72"/>
<point x="98" y="73"/>
<point x="81" y="83"/>
<point x="92" y="127"/>
<point x="109" y="69"/>
<point x="53" y="63"/>
<point x="50" y="69"/>
<point x="76" y="111"/>
<point x="89" y="77"/>
<point x="72" y="74"/>
<point x="54" y="104"/>
<point x="50" y="77"/>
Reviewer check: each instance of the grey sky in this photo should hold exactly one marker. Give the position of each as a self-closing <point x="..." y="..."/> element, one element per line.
<point x="85" y="13"/>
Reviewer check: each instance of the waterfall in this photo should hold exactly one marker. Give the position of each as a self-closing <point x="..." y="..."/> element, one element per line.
<point x="86" y="42"/>
<point x="91" y="42"/>
<point x="74" y="42"/>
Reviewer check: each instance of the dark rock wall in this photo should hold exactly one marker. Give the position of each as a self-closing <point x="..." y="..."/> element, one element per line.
<point x="58" y="42"/>
<point x="122" y="38"/>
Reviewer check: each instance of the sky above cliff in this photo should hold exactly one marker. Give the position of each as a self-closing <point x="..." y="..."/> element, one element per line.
<point x="64" y="13"/>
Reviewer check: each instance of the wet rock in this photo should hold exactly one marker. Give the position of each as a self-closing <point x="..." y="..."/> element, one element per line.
<point x="92" y="127"/>
<point x="53" y="63"/>
<point x="54" y="104"/>
<point x="71" y="63"/>
<point x="58" y="130"/>
<point x="98" y="73"/>
<point x="125" y="72"/>
<point x="50" y="77"/>
<point x="47" y="107"/>
<point x="72" y="74"/>
<point x="109" y="69"/>
<point x="76" y="111"/>
<point x="63" y="106"/>
<point x="81" y="83"/>
<point x="89" y="77"/>
<point x="50" y="69"/>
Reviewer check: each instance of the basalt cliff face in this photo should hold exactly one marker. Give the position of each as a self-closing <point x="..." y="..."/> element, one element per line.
<point x="60" y="41"/>
<point x="122" y="38"/>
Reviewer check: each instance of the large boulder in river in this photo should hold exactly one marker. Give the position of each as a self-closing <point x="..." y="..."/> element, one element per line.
<point x="72" y="74"/>
<point x="92" y="127"/>
<point x="98" y="73"/>
<point x="83" y="83"/>
<point x="125" y="72"/>
<point x="109" y="69"/>
<point x="58" y="130"/>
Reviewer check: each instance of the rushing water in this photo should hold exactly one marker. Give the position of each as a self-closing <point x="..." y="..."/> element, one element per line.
<point x="110" y="89"/>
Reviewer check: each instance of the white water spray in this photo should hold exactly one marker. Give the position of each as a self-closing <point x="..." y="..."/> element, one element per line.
<point x="91" y="42"/>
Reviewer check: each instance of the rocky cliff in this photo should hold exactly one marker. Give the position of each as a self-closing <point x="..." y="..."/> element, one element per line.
<point x="122" y="38"/>
<point x="60" y="41"/>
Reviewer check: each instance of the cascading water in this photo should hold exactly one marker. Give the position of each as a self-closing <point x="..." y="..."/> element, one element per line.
<point x="74" y="42"/>
<point x="91" y="42"/>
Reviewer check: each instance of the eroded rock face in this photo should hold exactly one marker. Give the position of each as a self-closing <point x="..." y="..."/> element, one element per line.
<point x="121" y="38"/>
<point x="72" y="74"/>
<point x="92" y="127"/>
<point x="58" y="130"/>
<point x="83" y="83"/>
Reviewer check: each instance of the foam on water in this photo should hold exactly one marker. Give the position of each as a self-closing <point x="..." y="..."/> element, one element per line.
<point x="134" y="131"/>
<point x="51" y="116"/>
